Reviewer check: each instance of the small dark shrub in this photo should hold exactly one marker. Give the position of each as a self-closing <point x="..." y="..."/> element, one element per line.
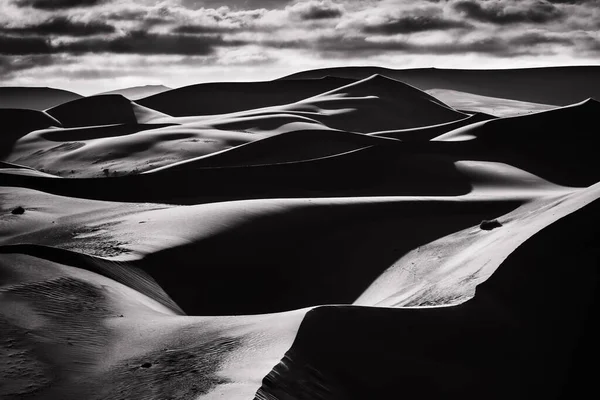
<point x="488" y="225"/>
<point x="18" y="211"/>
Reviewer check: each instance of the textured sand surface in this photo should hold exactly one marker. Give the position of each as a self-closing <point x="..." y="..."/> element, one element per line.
<point x="338" y="234"/>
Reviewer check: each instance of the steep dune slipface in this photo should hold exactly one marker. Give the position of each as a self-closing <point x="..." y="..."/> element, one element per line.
<point x="302" y="244"/>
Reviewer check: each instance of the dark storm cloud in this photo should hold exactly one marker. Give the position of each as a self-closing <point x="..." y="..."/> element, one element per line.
<point x="58" y="4"/>
<point x="414" y="24"/>
<point x="14" y="45"/>
<point x="9" y="65"/>
<point x="537" y="38"/>
<point x="136" y="42"/>
<point x="62" y="26"/>
<point x="509" y="12"/>
<point x="318" y="10"/>
<point x="340" y="46"/>
<point x="202" y="29"/>
<point x="140" y="42"/>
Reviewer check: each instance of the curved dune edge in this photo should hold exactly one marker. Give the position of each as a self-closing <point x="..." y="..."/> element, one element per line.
<point x="513" y="335"/>
<point x="339" y="238"/>
<point x="121" y="330"/>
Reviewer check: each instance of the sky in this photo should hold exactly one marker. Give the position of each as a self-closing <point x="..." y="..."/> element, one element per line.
<point x="90" y="46"/>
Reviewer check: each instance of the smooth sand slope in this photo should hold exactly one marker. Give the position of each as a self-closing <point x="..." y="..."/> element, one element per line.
<point x="332" y="239"/>
<point x="109" y="135"/>
<point x="484" y="104"/>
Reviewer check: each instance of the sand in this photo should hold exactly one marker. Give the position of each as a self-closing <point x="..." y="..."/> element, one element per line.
<point x="346" y="237"/>
<point x="138" y="92"/>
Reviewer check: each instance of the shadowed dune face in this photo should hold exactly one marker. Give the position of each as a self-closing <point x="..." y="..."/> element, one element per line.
<point x="350" y="237"/>
<point x="544" y="138"/>
<point x="16" y="123"/>
<point x="34" y="98"/>
<point x="515" y="336"/>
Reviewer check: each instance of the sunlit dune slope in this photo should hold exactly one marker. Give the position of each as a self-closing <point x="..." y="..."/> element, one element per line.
<point x="349" y="237"/>
<point x="492" y="105"/>
<point x="516" y="338"/>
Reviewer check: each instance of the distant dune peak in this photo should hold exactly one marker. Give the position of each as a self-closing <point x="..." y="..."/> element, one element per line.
<point x="569" y="84"/>
<point x="380" y="242"/>
<point x="378" y="84"/>
<point x="34" y="98"/>
<point x="138" y="92"/>
<point x="102" y="109"/>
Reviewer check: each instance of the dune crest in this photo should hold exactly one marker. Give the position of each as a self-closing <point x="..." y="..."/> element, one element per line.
<point x="338" y="234"/>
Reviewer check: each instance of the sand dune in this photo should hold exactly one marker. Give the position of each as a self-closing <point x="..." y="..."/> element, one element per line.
<point x="138" y="92"/>
<point x="514" y="338"/>
<point x="335" y="238"/>
<point x="143" y="142"/>
<point x="34" y="98"/>
<point x="425" y="133"/>
<point x="544" y="138"/>
<point x="491" y="105"/>
<point x="568" y="84"/>
<point x="226" y="97"/>
<point x="18" y="122"/>
<point x="102" y="110"/>
<point x="378" y="103"/>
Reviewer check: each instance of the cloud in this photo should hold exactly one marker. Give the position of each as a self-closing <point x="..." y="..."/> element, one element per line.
<point x="246" y="33"/>
<point x="240" y="4"/>
<point x="10" y="65"/>
<point x="58" y="4"/>
<point x="412" y="24"/>
<point x="509" y="11"/>
<point x="11" y="45"/>
<point x="358" y="46"/>
<point x="538" y="38"/>
<point x="62" y="26"/>
<point x="202" y="29"/>
<point x="141" y="42"/>
<point x="315" y="10"/>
